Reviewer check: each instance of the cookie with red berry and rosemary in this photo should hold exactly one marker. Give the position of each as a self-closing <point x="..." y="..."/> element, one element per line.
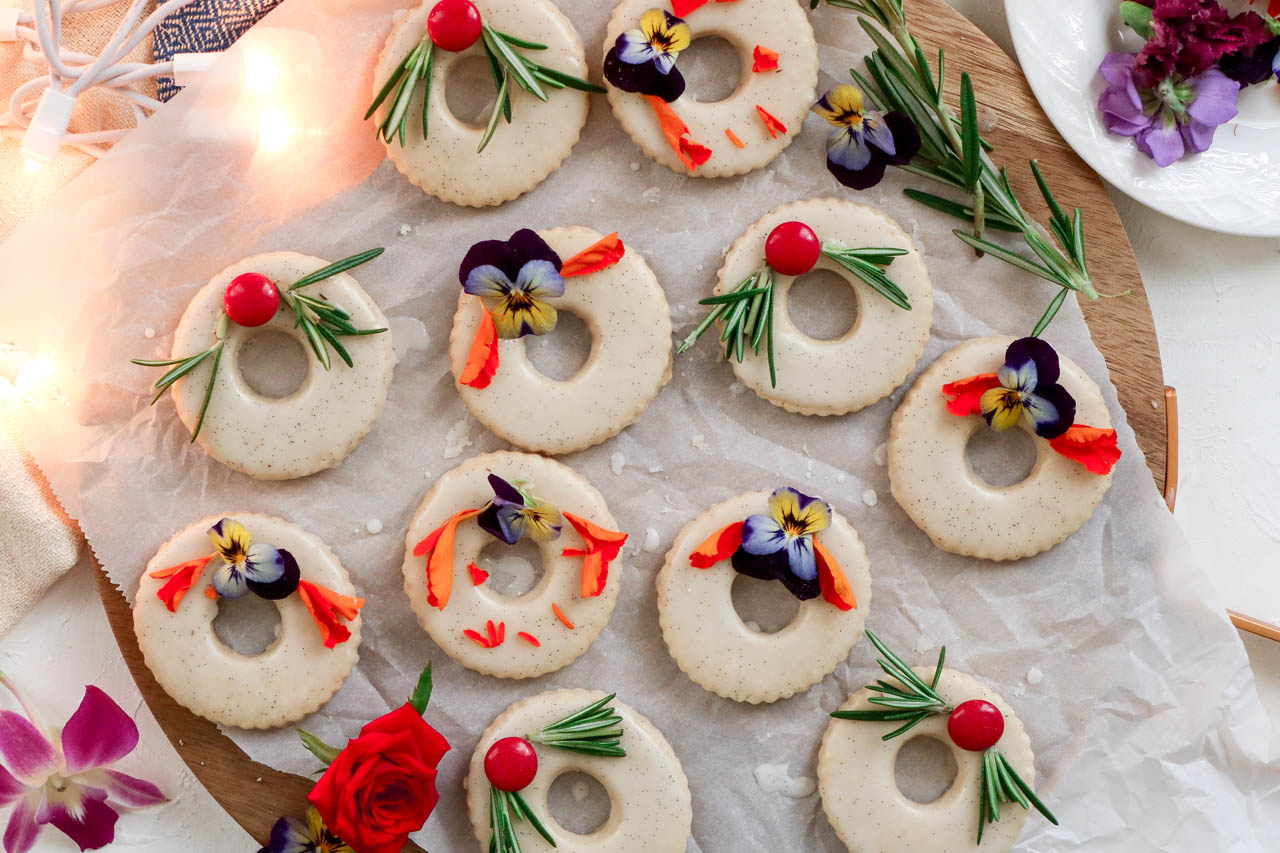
<point x="540" y="738"/>
<point x="773" y="356"/>
<point x="536" y="62"/>
<point x="991" y="796"/>
<point x="348" y="353"/>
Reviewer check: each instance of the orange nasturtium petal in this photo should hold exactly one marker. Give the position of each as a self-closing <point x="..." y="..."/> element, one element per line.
<point x="602" y="547"/>
<point x="529" y="638"/>
<point x="210" y="593"/>
<point x="771" y="123"/>
<point x="718" y="546"/>
<point x="763" y="59"/>
<point x="965" y="395"/>
<point x="326" y="607"/>
<point x="478" y="575"/>
<point x="181" y="578"/>
<point x="1092" y="447"/>
<point x="482" y="358"/>
<point x="602" y="254"/>
<point x="681" y="8"/>
<point x="438" y="549"/>
<point x="564" y="620"/>
<point x="733" y="137"/>
<point x="835" y="586"/>
<point x="675" y="130"/>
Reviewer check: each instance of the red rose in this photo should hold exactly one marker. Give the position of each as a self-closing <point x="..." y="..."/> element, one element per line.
<point x="382" y="786"/>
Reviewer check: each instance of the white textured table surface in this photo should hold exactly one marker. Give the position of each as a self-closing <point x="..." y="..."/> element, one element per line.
<point x="1216" y="313"/>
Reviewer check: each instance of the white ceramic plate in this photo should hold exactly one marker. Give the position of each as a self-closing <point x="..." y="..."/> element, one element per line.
<point x="1233" y="187"/>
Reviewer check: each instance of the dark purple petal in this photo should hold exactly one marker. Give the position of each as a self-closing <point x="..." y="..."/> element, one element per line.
<point x="1250" y="67"/>
<point x="906" y="139"/>
<point x="289" y="835"/>
<point x="98" y="734"/>
<point x="131" y="791"/>
<point x="22" y="830"/>
<point x="765" y="567"/>
<point x="527" y="246"/>
<point x="1038" y="351"/>
<point x="488" y="521"/>
<point x="283" y="586"/>
<point x="10" y="788"/>
<point x="496" y="253"/>
<point x="644" y="79"/>
<point x="26" y="752"/>
<point x="801" y="588"/>
<point x="504" y="492"/>
<point x="94" y="828"/>
<point x="860" y="179"/>
<point x="1064" y="403"/>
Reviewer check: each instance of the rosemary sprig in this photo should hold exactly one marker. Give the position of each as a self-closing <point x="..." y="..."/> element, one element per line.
<point x="322" y="324"/>
<point x="910" y="703"/>
<point x="868" y="264"/>
<point x="953" y="154"/>
<point x="1000" y="783"/>
<point x="595" y="730"/>
<point x="503" y="806"/>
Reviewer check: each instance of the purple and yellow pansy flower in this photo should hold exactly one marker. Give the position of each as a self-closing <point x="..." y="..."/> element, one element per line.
<point x="864" y="141"/>
<point x="514" y="278"/>
<point x="1029" y="389"/>
<point x="779" y="546"/>
<point x="291" y="835"/>
<point x="246" y="566"/>
<point x="513" y="514"/>
<point x="643" y="60"/>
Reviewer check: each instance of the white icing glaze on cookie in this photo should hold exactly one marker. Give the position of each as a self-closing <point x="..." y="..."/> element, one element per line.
<point x="293" y="677"/>
<point x="626" y="312"/>
<point x="869" y="813"/>
<point x="708" y="639"/>
<point x="316" y="426"/>
<point x="787" y="93"/>
<point x="961" y="513"/>
<point x="521" y="154"/>
<point x="880" y="350"/>
<point x="470" y="607"/>
<point x="650" y="810"/>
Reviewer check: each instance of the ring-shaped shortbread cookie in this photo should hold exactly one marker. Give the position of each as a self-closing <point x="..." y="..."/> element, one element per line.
<point x="933" y="482"/>
<point x="786" y="93"/>
<point x="709" y="640"/>
<point x="315" y="427"/>
<point x="650" y="804"/>
<point x="291" y="678"/>
<point x="881" y="348"/>
<point x="523" y="152"/>
<point x="472" y="607"/>
<point x="626" y="311"/>
<point x="871" y="815"/>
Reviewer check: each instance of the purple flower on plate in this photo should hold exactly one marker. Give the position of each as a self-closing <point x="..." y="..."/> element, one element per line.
<point x="1029" y="388"/>
<point x="65" y="780"/>
<point x="643" y="60"/>
<point x="512" y="514"/>
<point x="863" y="141"/>
<point x="246" y="566"/>
<point x="514" y="278"/>
<point x="1176" y="118"/>
<point x="779" y="546"/>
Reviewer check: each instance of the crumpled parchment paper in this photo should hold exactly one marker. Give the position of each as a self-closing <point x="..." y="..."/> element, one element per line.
<point x="1112" y="647"/>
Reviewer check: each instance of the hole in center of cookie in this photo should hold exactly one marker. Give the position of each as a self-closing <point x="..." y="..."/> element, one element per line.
<point x="1001" y="459"/>
<point x="247" y="625"/>
<point x="765" y="607"/>
<point x="272" y="363"/>
<point x="924" y="769"/>
<point x="578" y="802"/>
<point x="513" y="569"/>
<point x="712" y="69"/>
<point x="822" y="305"/>
<point x="562" y="352"/>
<point x="469" y="92"/>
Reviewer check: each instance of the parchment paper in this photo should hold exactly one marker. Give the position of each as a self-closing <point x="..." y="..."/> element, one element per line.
<point x="1112" y="647"/>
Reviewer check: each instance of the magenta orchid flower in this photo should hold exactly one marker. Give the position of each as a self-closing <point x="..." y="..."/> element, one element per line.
<point x="64" y="778"/>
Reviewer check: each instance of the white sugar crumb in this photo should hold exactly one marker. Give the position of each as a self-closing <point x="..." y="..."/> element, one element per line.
<point x="774" y="779"/>
<point x="700" y="441"/>
<point x="406" y="229"/>
<point x="652" y="542"/>
<point x="651" y="194"/>
<point x="580" y="791"/>
<point x="455" y="440"/>
<point x="737" y="388"/>
<point x="699" y="267"/>
<point x="1019" y="689"/>
<point x="635" y="166"/>
<point x="1034" y="676"/>
<point x="427" y="474"/>
<point x="1154" y="404"/>
<point x="374" y="526"/>
<point x="655" y="469"/>
<point x="259" y="779"/>
<point x="923" y="644"/>
<point x="617" y="462"/>
<point x="869" y="497"/>
<point x="841" y="477"/>
<point x="808" y="469"/>
<point x="882" y="453"/>
<point x="150" y="333"/>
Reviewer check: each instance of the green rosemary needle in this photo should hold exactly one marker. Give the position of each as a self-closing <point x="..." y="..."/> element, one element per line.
<point x="503" y="806"/>
<point x="595" y="730"/>
<point x="910" y="703"/>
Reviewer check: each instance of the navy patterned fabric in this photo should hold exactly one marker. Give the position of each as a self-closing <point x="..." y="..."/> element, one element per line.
<point x="204" y="26"/>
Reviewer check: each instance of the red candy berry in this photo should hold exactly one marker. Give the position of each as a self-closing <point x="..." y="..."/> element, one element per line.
<point x="511" y="764"/>
<point x="792" y="248"/>
<point x="975" y="725"/>
<point x="454" y="24"/>
<point x="251" y="299"/>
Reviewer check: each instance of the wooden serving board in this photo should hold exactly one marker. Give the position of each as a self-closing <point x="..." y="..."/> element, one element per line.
<point x="256" y="795"/>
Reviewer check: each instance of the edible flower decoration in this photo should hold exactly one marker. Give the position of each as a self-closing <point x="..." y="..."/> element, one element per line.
<point x="793" y="249"/>
<point x="782" y="545"/>
<point x="266" y="571"/>
<point x="64" y="778"/>
<point x="292" y="835"/>
<point x="1026" y="388"/>
<point x="975" y="725"/>
<point x="514" y="278"/>
<point x="863" y="141"/>
<point x="643" y="59"/>
<point x="512" y="514"/>
<point x="454" y="26"/>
